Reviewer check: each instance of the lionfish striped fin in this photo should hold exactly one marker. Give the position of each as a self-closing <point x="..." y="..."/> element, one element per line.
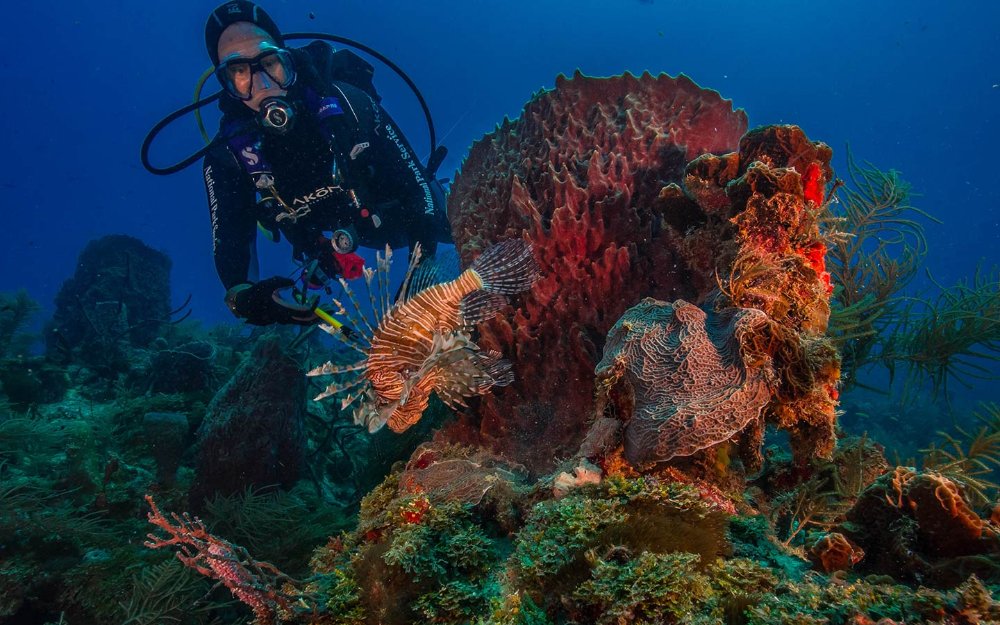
<point x="328" y="368"/>
<point x="415" y="255"/>
<point x="451" y="397"/>
<point x="473" y="374"/>
<point x="350" y="399"/>
<point x="383" y="264"/>
<point x="507" y="267"/>
<point x="480" y="306"/>
<point x="497" y="368"/>
<point x="336" y="388"/>
<point x="349" y="341"/>
<point x="357" y="307"/>
<point x="424" y="276"/>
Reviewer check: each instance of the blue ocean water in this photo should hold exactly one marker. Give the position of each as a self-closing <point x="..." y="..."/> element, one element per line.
<point x="913" y="86"/>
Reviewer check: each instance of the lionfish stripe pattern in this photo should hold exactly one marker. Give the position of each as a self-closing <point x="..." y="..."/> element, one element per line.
<point x="422" y="343"/>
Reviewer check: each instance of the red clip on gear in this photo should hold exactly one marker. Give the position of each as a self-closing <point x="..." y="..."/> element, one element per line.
<point x="351" y="265"/>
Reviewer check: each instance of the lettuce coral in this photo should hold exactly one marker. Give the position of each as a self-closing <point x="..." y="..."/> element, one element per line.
<point x="694" y="386"/>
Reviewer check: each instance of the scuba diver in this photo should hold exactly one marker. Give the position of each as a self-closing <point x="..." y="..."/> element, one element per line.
<point x="306" y="151"/>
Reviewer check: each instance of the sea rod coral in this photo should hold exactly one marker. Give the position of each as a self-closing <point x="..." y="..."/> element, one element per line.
<point x="258" y="584"/>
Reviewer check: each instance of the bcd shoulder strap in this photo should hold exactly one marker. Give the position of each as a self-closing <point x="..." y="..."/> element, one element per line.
<point x="341" y="66"/>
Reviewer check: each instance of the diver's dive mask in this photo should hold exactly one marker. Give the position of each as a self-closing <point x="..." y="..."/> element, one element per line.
<point x="236" y="74"/>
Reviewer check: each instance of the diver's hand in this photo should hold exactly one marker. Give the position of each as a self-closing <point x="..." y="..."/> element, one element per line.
<point x="260" y="304"/>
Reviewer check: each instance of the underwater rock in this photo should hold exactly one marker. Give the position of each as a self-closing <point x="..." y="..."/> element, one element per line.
<point x="693" y="381"/>
<point x="166" y="434"/>
<point x="182" y="369"/>
<point x="579" y="174"/>
<point x="253" y="431"/>
<point x="29" y="382"/>
<point x="917" y="526"/>
<point x="764" y="250"/>
<point x="118" y="298"/>
<point x="834" y="552"/>
<point x="444" y="473"/>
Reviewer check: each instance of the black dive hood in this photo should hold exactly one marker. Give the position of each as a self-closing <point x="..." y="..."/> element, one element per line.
<point x="434" y="161"/>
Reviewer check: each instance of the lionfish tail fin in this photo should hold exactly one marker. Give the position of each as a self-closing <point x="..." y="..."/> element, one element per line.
<point x="480" y="306"/>
<point x="507" y="268"/>
<point x="474" y="375"/>
<point x="497" y="369"/>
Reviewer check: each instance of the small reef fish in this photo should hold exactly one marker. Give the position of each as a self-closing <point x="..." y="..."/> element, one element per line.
<point x="422" y="342"/>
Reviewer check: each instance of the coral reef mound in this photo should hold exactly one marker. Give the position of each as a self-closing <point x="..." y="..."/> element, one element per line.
<point x="253" y="432"/>
<point x="579" y="174"/>
<point x="619" y="185"/>
<point x="120" y="293"/>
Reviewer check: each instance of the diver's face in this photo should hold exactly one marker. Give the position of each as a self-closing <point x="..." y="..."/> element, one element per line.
<point x="244" y="40"/>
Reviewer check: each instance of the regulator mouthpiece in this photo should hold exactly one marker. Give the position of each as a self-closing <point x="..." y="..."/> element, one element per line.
<point x="344" y="241"/>
<point x="276" y="115"/>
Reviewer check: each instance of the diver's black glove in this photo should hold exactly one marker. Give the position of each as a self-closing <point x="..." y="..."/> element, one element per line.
<point x="261" y="304"/>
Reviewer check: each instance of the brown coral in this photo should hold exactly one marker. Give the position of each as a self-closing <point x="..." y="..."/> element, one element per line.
<point x="692" y="385"/>
<point x="451" y="473"/>
<point x="579" y="173"/>
<point x="778" y="266"/>
<point x="917" y="525"/>
<point x="834" y="552"/>
<point x="948" y="525"/>
<point x="617" y="184"/>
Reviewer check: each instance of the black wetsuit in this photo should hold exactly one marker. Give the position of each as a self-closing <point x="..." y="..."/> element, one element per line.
<point x="397" y="204"/>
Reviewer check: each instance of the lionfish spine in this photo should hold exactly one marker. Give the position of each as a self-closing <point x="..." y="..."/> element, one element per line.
<point x="508" y="267"/>
<point x="337" y="388"/>
<point x="362" y="339"/>
<point x="383" y="263"/>
<point x="414" y="261"/>
<point x="338" y="333"/>
<point x="328" y="368"/>
<point x="357" y="307"/>
<point x="376" y="307"/>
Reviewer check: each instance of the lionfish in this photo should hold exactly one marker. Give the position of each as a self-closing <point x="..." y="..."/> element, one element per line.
<point x="422" y="342"/>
